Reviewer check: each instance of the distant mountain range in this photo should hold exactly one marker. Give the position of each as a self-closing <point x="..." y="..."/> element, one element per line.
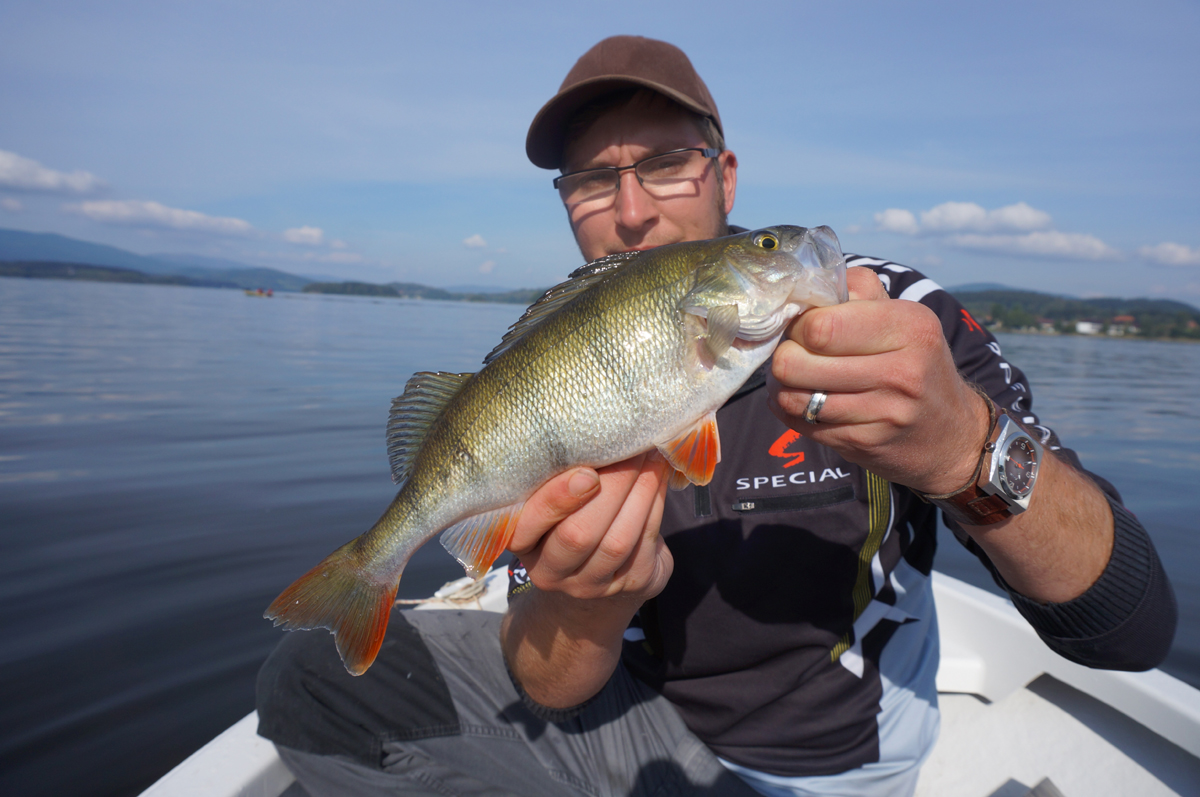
<point x="51" y="256"/>
<point x="32" y="247"/>
<point x="976" y="287"/>
<point x="45" y="269"/>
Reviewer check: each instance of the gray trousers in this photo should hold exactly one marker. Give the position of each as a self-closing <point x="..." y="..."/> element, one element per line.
<point x="437" y="714"/>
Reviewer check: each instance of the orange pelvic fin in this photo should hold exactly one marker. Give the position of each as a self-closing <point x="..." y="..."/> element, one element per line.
<point x="337" y="595"/>
<point x="697" y="451"/>
<point x="678" y="480"/>
<point x="478" y="540"/>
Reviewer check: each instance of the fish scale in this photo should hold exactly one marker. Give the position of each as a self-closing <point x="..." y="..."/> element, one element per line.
<point x="635" y="352"/>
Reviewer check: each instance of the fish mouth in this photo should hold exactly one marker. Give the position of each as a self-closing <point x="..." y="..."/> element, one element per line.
<point x="823" y="277"/>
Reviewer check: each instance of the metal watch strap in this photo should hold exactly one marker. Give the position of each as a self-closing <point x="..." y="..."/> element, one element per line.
<point x="969" y="504"/>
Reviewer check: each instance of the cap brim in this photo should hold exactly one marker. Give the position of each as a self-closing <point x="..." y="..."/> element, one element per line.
<point x="547" y="133"/>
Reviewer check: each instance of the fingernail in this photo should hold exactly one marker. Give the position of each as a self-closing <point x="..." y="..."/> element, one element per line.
<point x="583" y="482"/>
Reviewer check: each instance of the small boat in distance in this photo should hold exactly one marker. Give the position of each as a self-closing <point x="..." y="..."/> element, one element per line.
<point x="266" y="294"/>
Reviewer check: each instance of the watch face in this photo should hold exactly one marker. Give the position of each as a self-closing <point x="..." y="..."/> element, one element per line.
<point x="1019" y="466"/>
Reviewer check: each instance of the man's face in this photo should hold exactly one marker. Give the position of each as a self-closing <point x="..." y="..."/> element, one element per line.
<point x="633" y="219"/>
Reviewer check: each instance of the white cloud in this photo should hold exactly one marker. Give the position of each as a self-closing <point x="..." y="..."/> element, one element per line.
<point x="1018" y="217"/>
<point x="151" y="214"/>
<point x="969" y="217"/>
<point x="1048" y="243"/>
<point x="951" y="217"/>
<point x="29" y="175"/>
<point x="897" y="220"/>
<point x="475" y="242"/>
<point x="1017" y="229"/>
<point x="309" y="236"/>
<point x="1171" y="254"/>
<point x="954" y="216"/>
<point x="486" y="266"/>
<point x="11" y="205"/>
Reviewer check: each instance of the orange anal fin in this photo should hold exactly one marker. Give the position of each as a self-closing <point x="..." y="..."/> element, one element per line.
<point x="478" y="540"/>
<point x="678" y="480"/>
<point x="696" y="452"/>
<point x="337" y="595"/>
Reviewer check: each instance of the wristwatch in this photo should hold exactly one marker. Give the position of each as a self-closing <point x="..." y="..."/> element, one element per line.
<point x="1004" y="478"/>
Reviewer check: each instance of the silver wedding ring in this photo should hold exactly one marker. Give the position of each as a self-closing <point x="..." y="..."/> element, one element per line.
<point x="814" y="406"/>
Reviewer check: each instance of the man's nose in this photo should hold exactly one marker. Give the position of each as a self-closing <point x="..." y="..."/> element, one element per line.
<point x="635" y="207"/>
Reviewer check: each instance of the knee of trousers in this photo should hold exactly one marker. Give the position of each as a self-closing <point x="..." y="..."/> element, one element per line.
<point x="307" y="700"/>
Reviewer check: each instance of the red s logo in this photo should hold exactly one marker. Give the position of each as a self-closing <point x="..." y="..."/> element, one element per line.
<point x="779" y="448"/>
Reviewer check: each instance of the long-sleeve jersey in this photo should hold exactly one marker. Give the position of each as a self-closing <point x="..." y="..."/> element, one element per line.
<point x="797" y="634"/>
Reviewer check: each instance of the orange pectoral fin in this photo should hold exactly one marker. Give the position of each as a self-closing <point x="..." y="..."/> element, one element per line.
<point x="696" y="452"/>
<point x="478" y="540"/>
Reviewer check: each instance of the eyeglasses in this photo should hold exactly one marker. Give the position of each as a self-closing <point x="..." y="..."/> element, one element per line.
<point x="663" y="176"/>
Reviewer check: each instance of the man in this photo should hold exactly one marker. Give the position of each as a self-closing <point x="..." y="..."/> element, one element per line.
<point x="777" y="625"/>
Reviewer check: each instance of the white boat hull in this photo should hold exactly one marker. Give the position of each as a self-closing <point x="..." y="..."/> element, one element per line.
<point x="1013" y="714"/>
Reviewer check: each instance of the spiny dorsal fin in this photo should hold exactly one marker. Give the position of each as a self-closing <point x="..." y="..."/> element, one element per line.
<point x="425" y="397"/>
<point x="579" y="281"/>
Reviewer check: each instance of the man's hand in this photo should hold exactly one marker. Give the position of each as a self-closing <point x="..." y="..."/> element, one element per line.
<point x="595" y="535"/>
<point x="590" y="544"/>
<point x="897" y="404"/>
<point x="898" y="407"/>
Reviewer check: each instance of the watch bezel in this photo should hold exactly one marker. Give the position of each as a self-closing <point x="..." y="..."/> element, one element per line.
<point x="1010" y="433"/>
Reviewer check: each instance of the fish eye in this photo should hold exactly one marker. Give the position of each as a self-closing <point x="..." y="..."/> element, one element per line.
<point x="767" y="241"/>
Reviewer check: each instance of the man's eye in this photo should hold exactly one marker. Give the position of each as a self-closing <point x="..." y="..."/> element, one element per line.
<point x="593" y="179"/>
<point x="667" y="166"/>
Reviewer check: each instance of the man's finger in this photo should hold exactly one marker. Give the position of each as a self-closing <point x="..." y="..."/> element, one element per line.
<point x="866" y="327"/>
<point x="552" y="503"/>
<point x="600" y="533"/>
<point x="864" y="284"/>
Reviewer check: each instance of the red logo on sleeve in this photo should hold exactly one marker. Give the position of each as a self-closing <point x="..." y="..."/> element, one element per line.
<point x="971" y="323"/>
<point x="779" y="448"/>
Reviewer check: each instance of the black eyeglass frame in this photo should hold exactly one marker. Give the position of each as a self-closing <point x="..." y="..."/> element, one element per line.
<point x="707" y="152"/>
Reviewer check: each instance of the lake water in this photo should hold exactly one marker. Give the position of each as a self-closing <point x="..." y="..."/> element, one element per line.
<point x="170" y="458"/>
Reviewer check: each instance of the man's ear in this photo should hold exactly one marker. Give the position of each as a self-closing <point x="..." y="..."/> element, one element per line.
<point x="728" y="164"/>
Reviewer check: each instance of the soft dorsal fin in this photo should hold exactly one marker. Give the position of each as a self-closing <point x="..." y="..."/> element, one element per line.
<point x="579" y="281"/>
<point x="425" y="397"/>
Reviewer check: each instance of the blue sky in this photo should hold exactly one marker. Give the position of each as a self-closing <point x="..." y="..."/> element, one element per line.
<point x="1053" y="146"/>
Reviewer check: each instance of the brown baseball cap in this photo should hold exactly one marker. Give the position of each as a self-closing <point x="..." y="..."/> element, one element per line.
<point x="617" y="62"/>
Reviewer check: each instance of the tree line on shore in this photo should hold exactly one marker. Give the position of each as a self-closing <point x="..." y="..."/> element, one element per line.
<point x="1030" y="311"/>
<point x="411" y="290"/>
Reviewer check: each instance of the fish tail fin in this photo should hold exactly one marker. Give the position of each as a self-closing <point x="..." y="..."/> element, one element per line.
<point x="338" y="595"/>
